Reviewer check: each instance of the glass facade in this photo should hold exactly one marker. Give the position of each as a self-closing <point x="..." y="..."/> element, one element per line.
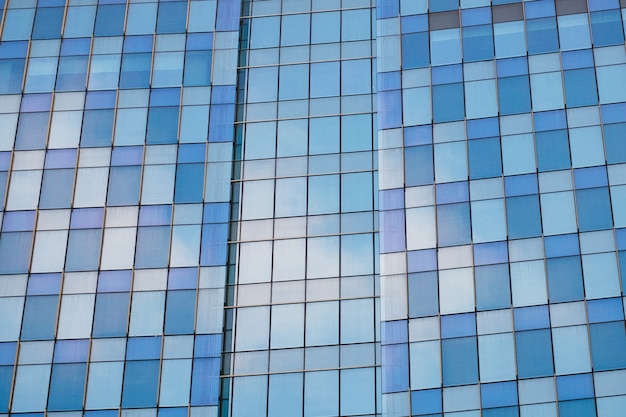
<point x="312" y="208"/>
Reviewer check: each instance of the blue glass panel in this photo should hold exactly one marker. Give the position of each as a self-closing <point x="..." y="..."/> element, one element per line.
<point x="70" y="351"/>
<point x="172" y="17"/>
<point x="530" y="318"/>
<point x="136" y="70"/>
<point x="6" y="378"/>
<point x="423" y="294"/>
<point x="478" y="43"/>
<point x="426" y="401"/>
<point x="44" y="284"/>
<point x="453" y="192"/>
<point x="83" y="250"/>
<point x="180" y="312"/>
<point x="563" y="245"/>
<point x="11" y="73"/>
<point x="153" y="247"/>
<point x="459" y="361"/>
<point x="393" y="332"/>
<point x="484" y="158"/>
<point x="577" y="408"/>
<point x="415" y="50"/>
<point x="87" y="218"/>
<point x="490" y="253"/>
<point x="395" y="360"/>
<point x="15" y="252"/>
<point x="610" y="309"/>
<point x="124" y="183"/>
<point x="573" y="387"/>
<point x="523" y="216"/>
<point x="418" y="135"/>
<point x="182" y="279"/>
<point x="498" y="395"/>
<point x="608" y="346"/>
<point x="514" y="95"/>
<point x="552" y="150"/>
<point x="542" y="35"/>
<point x="114" y="281"/>
<point x="594" y="209"/>
<point x="197" y="68"/>
<point x="448" y="102"/>
<point x="534" y="353"/>
<point x="97" y="128"/>
<point x="453" y="224"/>
<point x="7" y="353"/>
<point x="48" y="23"/>
<point x="580" y="87"/>
<point x="66" y="387"/>
<point x="110" y="20"/>
<point x="458" y="325"/>
<point x="205" y="381"/>
<point x="418" y="167"/>
<point x="18" y="221"/>
<point x="614" y="135"/>
<point x="143" y="348"/>
<point x="189" y="183"/>
<point x="493" y="288"/>
<point x="214" y="239"/>
<point x="565" y="279"/>
<point x="208" y="346"/>
<point x="422" y="260"/>
<point x="111" y="314"/>
<point x="162" y="125"/>
<point x="40" y="315"/>
<point x="607" y="28"/>
<point x="141" y="380"/>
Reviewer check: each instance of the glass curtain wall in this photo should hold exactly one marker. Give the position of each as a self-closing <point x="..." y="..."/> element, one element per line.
<point x="116" y="149"/>
<point x="303" y="300"/>
<point x="502" y="167"/>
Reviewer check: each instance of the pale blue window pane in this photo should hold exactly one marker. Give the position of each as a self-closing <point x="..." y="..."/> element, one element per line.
<point x="356" y="133"/>
<point x="11" y="308"/>
<point x="600" y="275"/>
<point x="287" y="326"/>
<point x="175" y="383"/>
<point x="416" y="106"/>
<point x="202" y="16"/>
<point x="586" y="146"/>
<point x="547" y="91"/>
<point x="249" y="396"/>
<point x="290" y="197"/>
<point x="321" y="394"/>
<point x="295" y="30"/>
<point x="197" y="68"/>
<point x="105" y="385"/>
<point x="356" y="388"/>
<point x="574" y="32"/>
<point x="31" y="388"/>
<point x="146" y="318"/>
<point x="558" y="213"/>
<point x="518" y="154"/>
<point x="130" y="127"/>
<point x="291" y="85"/>
<point x="11" y="73"/>
<point x="354" y="327"/>
<point x="141" y="380"/>
<point x="136" y="70"/>
<point x="445" y="47"/>
<point x="325" y="27"/>
<point x="41" y="75"/>
<point x="356" y="192"/>
<point x="97" y="128"/>
<point x="324" y="79"/>
<point x="104" y="72"/>
<point x="425" y="364"/>
<point x="488" y="221"/>
<point x="262" y="84"/>
<point x="571" y="350"/>
<point x="141" y="19"/>
<point x="18" y="24"/>
<point x="79" y="21"/>
<point x="481" y="99"/>
<point x="357" y="255"/>
<point x="510" y="39"/>
<point x="610" y="88"/>
<point x="450" y="162"/>
<point x="565" y="279"/>
<point x="168" y="69"/>
<point x="497" y="357"/>
<point x="323" y="194"/>
<point x="352" y="27"/>
<point x="322" y="323"/>
<point x="356" y="77"/>
<point x="72" y="73"/>
<point x="292" y="138"/>
<point x="285" y="395"/>
<point x="618" y="202"/>
<point x="265" y="32"/>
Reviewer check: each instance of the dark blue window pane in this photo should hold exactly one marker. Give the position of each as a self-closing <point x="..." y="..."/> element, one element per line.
<point x="189" y="183"/>
<point x="111" y="315"/>
<point x="172" y="17"/>
<point x="477" y="43"/>
<point x="552" y="150"/>
<point x="40" y="315"/>
<point x="205" y="381"/>
<point x="443" y="5"/>
<point x="197" y="68"/>
<point x="460" y="361"/>
<point x="6" y="377"/>
<point x="180" y="312"/>
<point x="523" y="216"/>
<point x="136" y="70"/>
<point x="141" y="380"/>
<point x="606" y="27"/>
<point x="565" y="280"/>
<point x="423" y="294"/>
<point x="534" y="353"/>
<point x="162" y="125"/>
<point x="608" y="346"/>
<point x="484" y="158"/>
<point x="48" y="22"/>
<point x="580" y="87"/>
<point x="66" y="387"/>
<point x="415" y="50"/>
<point x="499" y="395"/>
<point x="615" y="143"/>
<point x="11" y="74"/>
<point x="622" y="264"/>
<point x="214" y="238"/>
<point x="395" y="359"/>
<point x="493" y="289"/>
<point x="110" y="20"/>
<point x="32" y="131"/>
<point x="418" y="166"/>
<point x="124" y="186"/>
<point x="594" y="209"/>
<point x="15" y="252"/>
<point x="578" y="408"/>
<point x="514" y="95"/>
<point x="448" y="102"/>
<point x="542" y="35"/>
<point x="426" y="401"/>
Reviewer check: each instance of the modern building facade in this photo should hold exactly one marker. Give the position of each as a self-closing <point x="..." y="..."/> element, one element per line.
<point x="312" y="208"/>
